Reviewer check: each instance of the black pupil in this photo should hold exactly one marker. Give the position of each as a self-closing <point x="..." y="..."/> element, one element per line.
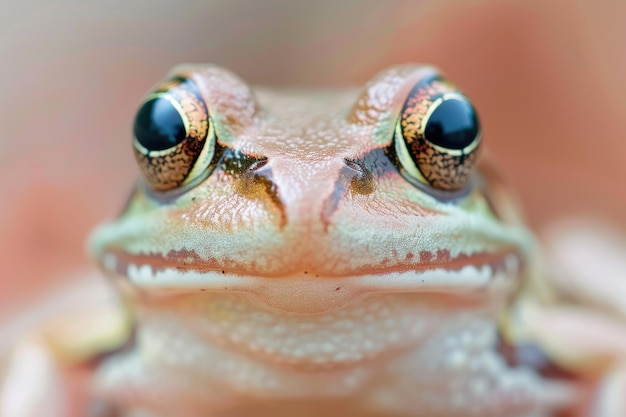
<point x="453" y="125"/>
<point x="158" y="125"/>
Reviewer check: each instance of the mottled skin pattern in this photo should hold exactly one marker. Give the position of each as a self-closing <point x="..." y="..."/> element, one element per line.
<point x="306" y="272"/>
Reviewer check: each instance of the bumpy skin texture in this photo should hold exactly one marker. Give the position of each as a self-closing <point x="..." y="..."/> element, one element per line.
<point x="307" y="273"/>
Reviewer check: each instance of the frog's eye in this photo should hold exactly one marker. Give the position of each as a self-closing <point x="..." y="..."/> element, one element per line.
<point x="437" y="135"/>
<point x="174" y="138"/>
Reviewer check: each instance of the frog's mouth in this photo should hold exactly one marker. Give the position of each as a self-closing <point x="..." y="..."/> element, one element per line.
<point x="470" y="276"/>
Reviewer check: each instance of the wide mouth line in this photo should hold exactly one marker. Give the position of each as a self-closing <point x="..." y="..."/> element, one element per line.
<point x="474" y="271"/>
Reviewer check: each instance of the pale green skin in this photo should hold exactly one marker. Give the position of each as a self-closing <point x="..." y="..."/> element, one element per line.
<point x="350" y="303"/>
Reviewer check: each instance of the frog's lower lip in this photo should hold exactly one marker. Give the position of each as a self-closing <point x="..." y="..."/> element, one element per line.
<point x="469" y="274"/>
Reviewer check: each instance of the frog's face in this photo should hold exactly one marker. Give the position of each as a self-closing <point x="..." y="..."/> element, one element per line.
<point x="378" y="187"/>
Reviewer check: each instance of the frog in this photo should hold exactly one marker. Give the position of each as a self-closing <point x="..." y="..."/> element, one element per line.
<point x="305" y="251"/>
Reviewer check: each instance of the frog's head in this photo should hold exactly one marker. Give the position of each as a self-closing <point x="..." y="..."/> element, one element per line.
<point x="325" y="193"/>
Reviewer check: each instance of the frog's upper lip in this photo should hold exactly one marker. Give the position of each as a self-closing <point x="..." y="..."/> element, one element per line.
<point x="189" y="262"/>
<point x="462" y="274"/>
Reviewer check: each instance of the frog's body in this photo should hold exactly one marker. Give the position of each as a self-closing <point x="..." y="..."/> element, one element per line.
<point x="307" y="269"/>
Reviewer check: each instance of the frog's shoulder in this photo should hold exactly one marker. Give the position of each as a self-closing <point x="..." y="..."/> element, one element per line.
<point x="45" y="350"/>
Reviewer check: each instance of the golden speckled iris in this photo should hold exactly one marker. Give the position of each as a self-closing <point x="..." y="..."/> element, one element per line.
<point x="166" y="169"/>
<point x="442" y="167"/>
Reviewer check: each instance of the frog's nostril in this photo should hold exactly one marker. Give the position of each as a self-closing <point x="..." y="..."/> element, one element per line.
<point x="360" y="178"/>
<point x="354" y="165"/>
<point x="257" y="165"/>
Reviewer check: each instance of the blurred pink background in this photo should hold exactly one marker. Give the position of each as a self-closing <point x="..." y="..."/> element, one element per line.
<point x="546" y="76"/>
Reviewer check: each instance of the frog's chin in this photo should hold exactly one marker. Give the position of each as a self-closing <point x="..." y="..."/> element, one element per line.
<point x="478" y="276"/>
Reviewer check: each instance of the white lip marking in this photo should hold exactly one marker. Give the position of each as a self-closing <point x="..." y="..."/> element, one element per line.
<point x="306" y="294"/>
<point x="467" y="277"/>
<point x="141" y="273"/>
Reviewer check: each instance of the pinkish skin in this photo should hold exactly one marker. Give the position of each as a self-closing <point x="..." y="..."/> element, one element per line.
<point x="353" y="290"/>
